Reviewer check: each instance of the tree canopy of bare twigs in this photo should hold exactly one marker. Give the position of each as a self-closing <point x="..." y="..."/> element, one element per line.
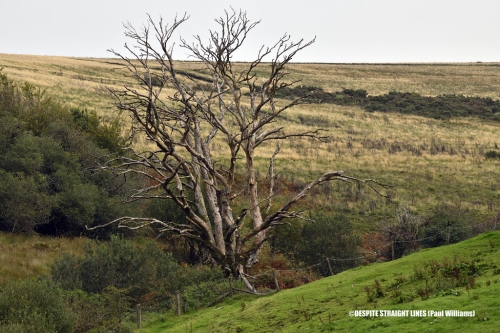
<point x="236" y="107"/>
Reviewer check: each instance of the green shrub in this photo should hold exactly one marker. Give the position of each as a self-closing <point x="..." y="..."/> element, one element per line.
<point x="106" y="135"/>
<point x="199" y="295"/>
<point x="89" y="309"/>
<point x="28" y="208"/>
<point x="359" y="93"/>
<point x="404" y="231"/>
<point x="442" y="217"/>
<point x="183" y="249"/>
<point x="329" y="236"/>
<point x="34" y="306"/>
<point x="124" y="274"/>
<point x="46" y="152"/>
<point x="438" y="107"/>
<point x="492" y="154"/>
<point x="117" y="263"/>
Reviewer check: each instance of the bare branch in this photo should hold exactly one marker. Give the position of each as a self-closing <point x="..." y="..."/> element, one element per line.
<point x="272" y="177"/>
<point x="221" y="108"/>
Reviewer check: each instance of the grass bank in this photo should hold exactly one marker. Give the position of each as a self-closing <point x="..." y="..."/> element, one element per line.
<point x="324" y="306"/>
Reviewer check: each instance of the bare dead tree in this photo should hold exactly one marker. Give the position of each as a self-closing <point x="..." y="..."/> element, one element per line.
<point x="236" y="108"/>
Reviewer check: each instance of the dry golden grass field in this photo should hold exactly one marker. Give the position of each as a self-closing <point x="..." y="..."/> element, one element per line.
<point x="22" y="256"/>
<point x="427" y="161"/>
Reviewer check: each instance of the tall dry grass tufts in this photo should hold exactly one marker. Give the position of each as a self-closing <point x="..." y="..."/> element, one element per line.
<point x="428" y="161"/>
<point x="24" y="256"/>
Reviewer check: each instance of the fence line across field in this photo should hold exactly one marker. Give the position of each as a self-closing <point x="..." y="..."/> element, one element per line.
<point x="181" y="305"/>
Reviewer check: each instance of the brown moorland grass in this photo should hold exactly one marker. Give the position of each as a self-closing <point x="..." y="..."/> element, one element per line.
<point x="24" y="256"/>
<point x="427" y="161"/>
<point x="471" y="79"/>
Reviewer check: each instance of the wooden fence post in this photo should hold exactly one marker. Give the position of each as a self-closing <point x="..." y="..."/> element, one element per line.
<point x="230" y="285"/>
<point x="447" y="235"/>
<point x="139" y="319"/>
<point x="178" y="302"/>
<point x="392" y="250"/>
<point x="329" y="266"/>
<point x="276" y="280"/>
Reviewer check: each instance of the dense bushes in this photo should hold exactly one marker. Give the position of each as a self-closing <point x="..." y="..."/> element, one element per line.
<point x="143" y="273"/>
<point x="96" y="292"/>
<point x="102" y="286"/>
<point x="329" y="236"/>
<point x="46" y="152"/>
<point x="409" y="232"/>
<point x="492" y="154"/>
<point x="34" y="306"/>
<point x="443" y="216"/>
<point x="116" y="263"/>
<point x="438" y="107"/>
<point x="29" y="208"/>
<point x="404" y="231"/>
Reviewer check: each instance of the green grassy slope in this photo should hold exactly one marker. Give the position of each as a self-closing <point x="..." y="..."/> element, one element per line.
<point x="324" y="305"/>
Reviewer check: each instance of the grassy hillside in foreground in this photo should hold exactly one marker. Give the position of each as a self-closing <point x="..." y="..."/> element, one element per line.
<point x="324" y="305"/>
<point x="428" y="161"/>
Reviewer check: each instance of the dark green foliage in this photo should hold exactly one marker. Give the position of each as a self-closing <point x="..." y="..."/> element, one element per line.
<point x="287" y="238"/>
<point x="442" y="217"/>
<point x="99" y="313"/>
<point x="359" y="93"/>
<point x="47" y="152"/>
<point x="329" y="236"/>
<point x="492" y="154"/>
<point x="89" y="309"/>
<point x="183" y="249"/>
<point x="116" y="263"/>
<point x="26" y="210"/>
<point x="200" y="294"/>
<point x="404" y="231"/>
<point x="438" y="107"/>
<point x="117" y="305"/>
<point x="34" y="306"/>
<point x="124" y="273"/>
<point x="104" y="135"/>
<point x="374" y="291"/>
<point x="156" y="80"/>
<point x="310" y="94"/>
<point x="29" y="104"/>
<point x="191" y="276"/>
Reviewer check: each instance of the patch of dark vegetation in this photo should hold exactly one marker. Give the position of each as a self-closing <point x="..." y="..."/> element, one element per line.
<point x="101" y="286"/>
<point x="198" y="75"/>
<point x="374" y="291"/>
<point x="492" y="154"/>
<point x="433" y="279"/>
<point x="195" y="76"/>
<point x="47" y="154"/>
<point x="437" y="107"/>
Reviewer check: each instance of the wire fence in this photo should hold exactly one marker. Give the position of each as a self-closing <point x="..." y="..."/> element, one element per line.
<point x="446" y="235"/>
<point x="272" y="280"/>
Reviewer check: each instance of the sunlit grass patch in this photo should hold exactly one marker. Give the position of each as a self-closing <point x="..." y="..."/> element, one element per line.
<point x="427" y="160"/>
<point x="24" y="256"/>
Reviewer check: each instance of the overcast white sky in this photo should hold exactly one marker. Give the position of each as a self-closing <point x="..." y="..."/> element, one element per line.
<point x="346" y="31"/>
